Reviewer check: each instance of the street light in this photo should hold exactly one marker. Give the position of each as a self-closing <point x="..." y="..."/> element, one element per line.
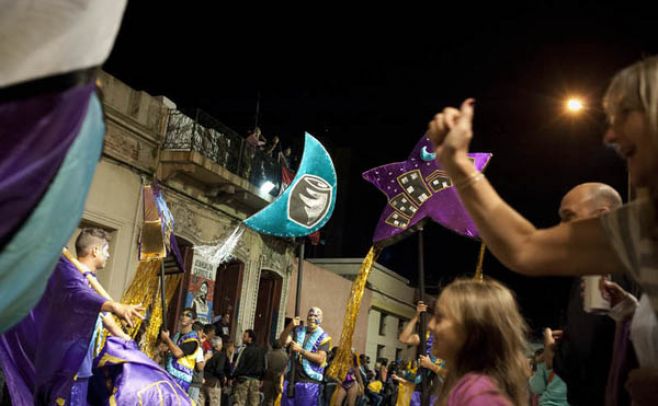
<point x="266" y="187"/>
<point x="574" y="105"/>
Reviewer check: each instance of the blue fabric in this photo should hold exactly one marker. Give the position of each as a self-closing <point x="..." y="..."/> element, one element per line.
<point x="30" y="257"/>
<point x="275" y="219"/>
<point x="552" y="392"/>
<point x="312" y="370"/>
<point x="85" y="367"/>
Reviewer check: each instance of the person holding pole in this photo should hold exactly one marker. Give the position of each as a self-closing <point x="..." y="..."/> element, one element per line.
<point x="435" y="366"/>
<point x="93" y="250"/>
<point x="310" y="345"/>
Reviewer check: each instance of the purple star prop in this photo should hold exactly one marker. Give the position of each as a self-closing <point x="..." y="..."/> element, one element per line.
<point x="419" y="188"/>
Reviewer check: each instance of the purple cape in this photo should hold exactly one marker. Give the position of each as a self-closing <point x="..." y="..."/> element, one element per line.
<point x="36" y="134"/>
<point x="43" y="352"/>
<point x="123" y="375"/>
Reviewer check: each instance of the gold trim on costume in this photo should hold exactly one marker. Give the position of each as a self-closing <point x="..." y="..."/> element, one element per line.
<point x="157" y="385"/>
<point x="110" y="358"/>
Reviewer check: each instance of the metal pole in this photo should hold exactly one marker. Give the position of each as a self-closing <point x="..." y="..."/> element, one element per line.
<point x="298" y="304"/>
<point x="257" y="109"/>
<point x="422" y="323"/>
<point x="300" y="272"/>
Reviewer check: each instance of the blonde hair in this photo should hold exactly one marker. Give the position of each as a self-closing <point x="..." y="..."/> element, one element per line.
<point x="495" y="336"/>
<point x="635" y="88"/>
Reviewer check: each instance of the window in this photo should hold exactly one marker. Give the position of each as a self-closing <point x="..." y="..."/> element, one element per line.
<point x="401" y="323"/>
<point x="398" y="353"/>
<point x="380" y="351"/>
<point x="382" y="324"/>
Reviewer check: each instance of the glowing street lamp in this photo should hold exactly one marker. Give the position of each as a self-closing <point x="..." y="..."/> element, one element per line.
<point x="266" y="187"/>
<point x="574" y="105"/>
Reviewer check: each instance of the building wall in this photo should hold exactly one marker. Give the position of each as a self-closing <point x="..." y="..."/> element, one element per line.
<point x="330" y="292"/>
<point x="390" y="295"/>
<point x="389" y="338"/>
<point x="114" y="203"/>
<point x="136" y="124"/>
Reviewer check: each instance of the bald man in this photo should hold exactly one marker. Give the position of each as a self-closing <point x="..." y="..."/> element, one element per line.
<point x="582" y="356"/>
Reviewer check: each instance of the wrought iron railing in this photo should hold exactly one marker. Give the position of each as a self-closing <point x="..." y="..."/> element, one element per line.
<point x="198" y="131"/>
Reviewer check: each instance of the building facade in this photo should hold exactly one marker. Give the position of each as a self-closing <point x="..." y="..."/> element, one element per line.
<point x="391" y="303"/>
<point x="211" y="181"/>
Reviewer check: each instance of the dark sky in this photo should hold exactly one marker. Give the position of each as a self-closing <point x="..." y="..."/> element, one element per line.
<point x="368" y="86"/>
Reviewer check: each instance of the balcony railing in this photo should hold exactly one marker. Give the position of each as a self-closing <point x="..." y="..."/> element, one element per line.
<point x="202" y="133"/>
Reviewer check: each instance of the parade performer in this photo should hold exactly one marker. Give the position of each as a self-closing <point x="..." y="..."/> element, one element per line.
<point x="46" y="352"/>
<point x="434" y="368"/>
<point x="184" y="348"/>
<point x="93" y="250"/>
<point x="311" y="345"/>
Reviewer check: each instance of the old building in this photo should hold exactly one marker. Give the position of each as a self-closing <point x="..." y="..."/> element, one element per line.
<point x="388" y="303"/>
<point x="212" y="180"/>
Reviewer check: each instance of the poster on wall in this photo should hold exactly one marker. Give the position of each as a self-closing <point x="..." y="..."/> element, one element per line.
<point x="200" y="289"/>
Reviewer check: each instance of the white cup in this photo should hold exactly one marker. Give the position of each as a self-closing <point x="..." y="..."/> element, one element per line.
<point x="593" y="300"/>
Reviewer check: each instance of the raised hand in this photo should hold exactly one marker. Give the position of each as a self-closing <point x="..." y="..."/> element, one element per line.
<point x="128" y="312"/>
<point x="421" y="307"/>
<point x="451" y="132"/>
<point x="612" y="291"/>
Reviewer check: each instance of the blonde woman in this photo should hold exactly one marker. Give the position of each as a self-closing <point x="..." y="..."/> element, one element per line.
<point x="482" y="337"/>
<point x="624" y="239"/>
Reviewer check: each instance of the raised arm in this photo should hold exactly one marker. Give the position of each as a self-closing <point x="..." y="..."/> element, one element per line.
<point x="114" y="328"/>
<point x="408" y="334"/>
<point x="576" y="248"/>
<point x="285" y="334"/>
<point x="175" y="350"/>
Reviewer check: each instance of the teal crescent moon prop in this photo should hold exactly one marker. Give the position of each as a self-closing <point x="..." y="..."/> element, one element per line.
<point x="307" y="204"/>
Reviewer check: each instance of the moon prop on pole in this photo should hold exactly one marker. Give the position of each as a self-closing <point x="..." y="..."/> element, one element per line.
<point x="302" y="209"/>
<point x="307" y="204"/>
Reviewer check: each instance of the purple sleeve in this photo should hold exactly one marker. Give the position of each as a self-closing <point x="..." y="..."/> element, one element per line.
<point x="77" y="292"/>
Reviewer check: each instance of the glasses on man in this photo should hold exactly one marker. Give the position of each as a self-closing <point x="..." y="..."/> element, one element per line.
<point x="188" y="314"/>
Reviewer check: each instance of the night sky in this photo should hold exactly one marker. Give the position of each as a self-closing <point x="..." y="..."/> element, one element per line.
<point x="367" y="87"/>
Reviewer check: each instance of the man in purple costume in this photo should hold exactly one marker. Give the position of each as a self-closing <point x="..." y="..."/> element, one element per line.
<point x="310" y="346"/>
<point x="44" y="353"/>
<point x="93" y="250"/>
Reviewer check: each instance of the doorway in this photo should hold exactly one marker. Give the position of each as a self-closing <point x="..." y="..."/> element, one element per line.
<point x="228" y="285"/>
<point x="267" y="307"/>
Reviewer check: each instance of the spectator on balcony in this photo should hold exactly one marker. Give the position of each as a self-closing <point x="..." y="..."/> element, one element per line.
<point x="284" y="157"/>
<point x="256" y="139"/>
<point x="273" y="149"/>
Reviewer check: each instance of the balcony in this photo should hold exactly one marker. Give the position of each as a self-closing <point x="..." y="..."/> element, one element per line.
<point x="218" y="160"/>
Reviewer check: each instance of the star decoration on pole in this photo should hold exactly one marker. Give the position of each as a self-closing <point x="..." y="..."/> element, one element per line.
<point x="419" y="188"/>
